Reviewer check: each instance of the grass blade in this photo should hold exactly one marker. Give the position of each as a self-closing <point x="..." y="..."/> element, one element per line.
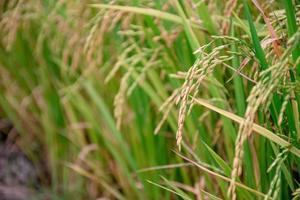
<point x="257" y="128"/>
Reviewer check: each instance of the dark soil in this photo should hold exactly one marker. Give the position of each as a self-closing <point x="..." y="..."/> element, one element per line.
<point x="18" y="175"/>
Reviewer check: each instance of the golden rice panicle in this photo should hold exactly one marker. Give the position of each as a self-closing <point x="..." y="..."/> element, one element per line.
<point x="201" y="69"/>
<point x="120" y="97"/>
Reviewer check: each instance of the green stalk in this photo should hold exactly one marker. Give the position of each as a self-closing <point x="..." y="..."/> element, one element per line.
<point x="292" y="29"/>
<point x="241" y="107"/>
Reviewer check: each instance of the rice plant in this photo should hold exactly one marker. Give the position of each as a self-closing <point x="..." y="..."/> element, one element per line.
<point x="163" y="99"/>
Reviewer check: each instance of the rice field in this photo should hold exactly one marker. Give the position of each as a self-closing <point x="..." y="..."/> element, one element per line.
<point x="161" y="99"/>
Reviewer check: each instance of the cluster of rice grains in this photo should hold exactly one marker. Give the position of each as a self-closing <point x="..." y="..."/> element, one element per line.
<point x="202" y="69"/>
<point x="147" y="58"/>
<point x="12" y="19"/>
<point x="137" y="60"/>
